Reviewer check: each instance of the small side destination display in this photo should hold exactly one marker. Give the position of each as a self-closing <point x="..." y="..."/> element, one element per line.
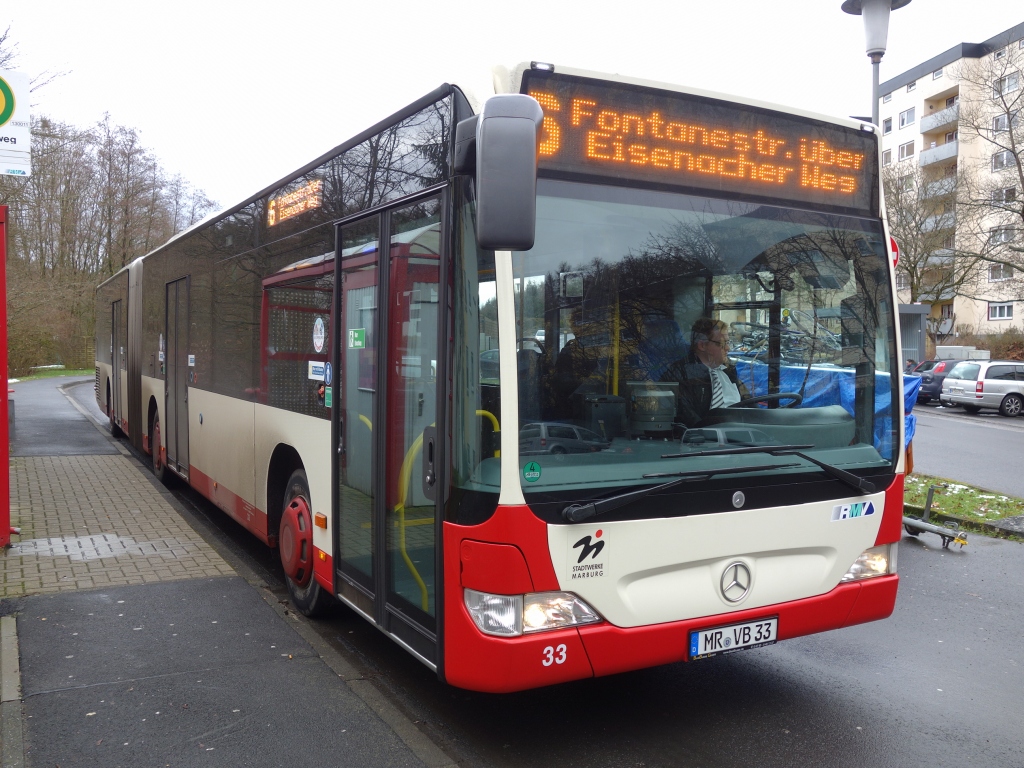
<point x="637" y="134"/>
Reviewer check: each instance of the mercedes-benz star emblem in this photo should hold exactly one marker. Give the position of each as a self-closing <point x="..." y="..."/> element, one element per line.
<point x="735" y="582"/>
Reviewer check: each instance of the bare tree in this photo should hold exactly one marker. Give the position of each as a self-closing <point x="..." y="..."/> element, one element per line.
<point x="924" y="216"/>
<point x="991" y="105"/>
<point x="96" y="200"/>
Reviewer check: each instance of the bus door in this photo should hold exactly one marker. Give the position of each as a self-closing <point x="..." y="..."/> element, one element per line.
<point x="385" y="420"/>
<point x="179" y="366"/>
<point x="118" y="364"/>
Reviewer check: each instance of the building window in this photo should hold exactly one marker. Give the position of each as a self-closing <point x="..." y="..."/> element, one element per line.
<point x="902" y="281"/>
<point x="1003" y="311"/>
<point x="906" y="182"/>
<point x="906" y="150"/>
<point x="953" y="101"/>
<point x="950" y="170"/>
<point x="1007" y="195"/>
<point x="998" y="235"/>
<point x="946" y="311"/>
<point x="951" y="136"/>
<point x="887" y="98"/>
<point x="907" y="117"/>
<point x="887" y="125"/>
<point x="937" y="74"/>
<point x="999" y="54"/>
<point x="887" y="157"/>
<point x="999" y="272"/>
<point x="1004" y="121"/>
<point x="911" y="86"/>
<point x="1004" y="85"/>
<point x="1001" y="160"/>
<point x="949" y="242"/>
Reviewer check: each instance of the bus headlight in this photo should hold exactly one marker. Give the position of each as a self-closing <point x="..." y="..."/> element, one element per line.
<point x="877" y="561"/>
<point x="555" y="610"/>
<point x="512" y="615"/>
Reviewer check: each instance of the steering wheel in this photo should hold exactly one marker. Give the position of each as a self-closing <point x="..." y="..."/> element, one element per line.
<point x="796" y="397"/>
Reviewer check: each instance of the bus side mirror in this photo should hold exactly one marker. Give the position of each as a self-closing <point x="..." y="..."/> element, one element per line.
<point x="500" y="145"/>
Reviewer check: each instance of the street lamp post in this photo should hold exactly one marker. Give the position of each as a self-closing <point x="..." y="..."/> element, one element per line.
<point x="876" y="30"/>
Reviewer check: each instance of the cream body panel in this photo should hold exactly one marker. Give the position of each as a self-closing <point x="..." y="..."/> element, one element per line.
<point x="222" y="445"/>
<point x="123" y="415"/>
<point x="669" y="569"/>
<point x="311" y="438"/>
<point x="152" y="389"/>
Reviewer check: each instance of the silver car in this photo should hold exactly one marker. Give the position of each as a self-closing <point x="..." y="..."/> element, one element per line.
<point x="977" y="384"/>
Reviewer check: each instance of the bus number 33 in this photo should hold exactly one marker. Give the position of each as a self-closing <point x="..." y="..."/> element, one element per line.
<point x="554" y="655"/>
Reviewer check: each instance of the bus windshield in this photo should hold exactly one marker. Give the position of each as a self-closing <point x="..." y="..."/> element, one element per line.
<point x="656" y="330"/>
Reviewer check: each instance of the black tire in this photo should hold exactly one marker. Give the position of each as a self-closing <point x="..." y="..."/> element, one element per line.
<point x="309" y="599"/>
<point x="115" y="431"/>
<point x="1011" y="406"/>
<point x="557" y="449"/>
<point x="972" y="408"/>
<point x="911" y="531"/>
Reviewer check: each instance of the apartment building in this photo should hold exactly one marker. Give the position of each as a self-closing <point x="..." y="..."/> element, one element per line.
<point x="944" y="121"/>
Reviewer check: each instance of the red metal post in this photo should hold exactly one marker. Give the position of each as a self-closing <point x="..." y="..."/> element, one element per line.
<point x="5" y="454"/>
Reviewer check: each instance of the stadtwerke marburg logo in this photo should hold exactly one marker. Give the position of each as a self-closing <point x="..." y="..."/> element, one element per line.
<point x="6" y="102"/>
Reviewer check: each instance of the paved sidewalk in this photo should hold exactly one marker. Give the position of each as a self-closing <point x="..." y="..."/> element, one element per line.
<point x="140" y="645"/>
<point x="96" y="521"/>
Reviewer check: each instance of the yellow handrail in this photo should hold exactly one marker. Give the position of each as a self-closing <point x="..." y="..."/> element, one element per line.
<point x="494" y="423"/>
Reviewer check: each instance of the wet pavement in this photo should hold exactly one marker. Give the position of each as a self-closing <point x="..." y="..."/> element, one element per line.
<point x="137" y="643"/>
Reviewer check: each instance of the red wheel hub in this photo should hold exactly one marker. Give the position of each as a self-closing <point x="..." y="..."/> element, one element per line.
<point x="296" y="541"/>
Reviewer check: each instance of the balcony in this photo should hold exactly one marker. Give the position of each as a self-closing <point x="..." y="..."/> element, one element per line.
<point x="938" y="154"/>
<point x="940" y="258"/>
<point x="943" y="120"/>
<point x="941" y="221"/>
<point x="939" y="188"/>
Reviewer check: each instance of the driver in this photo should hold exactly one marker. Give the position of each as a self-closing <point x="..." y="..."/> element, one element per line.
<point x="706" y="380"/>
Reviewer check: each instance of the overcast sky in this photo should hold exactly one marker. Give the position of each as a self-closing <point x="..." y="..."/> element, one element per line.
<point x="235" y="95"/>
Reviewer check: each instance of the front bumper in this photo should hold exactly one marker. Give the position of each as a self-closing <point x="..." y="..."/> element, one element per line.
<point x="503" y="665"/>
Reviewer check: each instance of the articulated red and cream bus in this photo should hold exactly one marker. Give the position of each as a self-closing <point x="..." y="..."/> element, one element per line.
<point x="592" y="375"/>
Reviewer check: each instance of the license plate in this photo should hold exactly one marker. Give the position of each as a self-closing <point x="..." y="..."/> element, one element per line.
<point x="705" y="643"/>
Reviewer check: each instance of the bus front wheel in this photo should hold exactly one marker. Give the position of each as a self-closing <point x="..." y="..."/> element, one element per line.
<point x="295" y="547"/>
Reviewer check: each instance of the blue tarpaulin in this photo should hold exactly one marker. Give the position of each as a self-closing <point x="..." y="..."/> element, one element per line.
<point x="835" y="386"/>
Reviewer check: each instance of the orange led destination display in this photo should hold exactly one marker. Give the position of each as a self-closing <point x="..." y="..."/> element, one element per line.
<point x="610" y="130"/>
<point x="305" y="198"/>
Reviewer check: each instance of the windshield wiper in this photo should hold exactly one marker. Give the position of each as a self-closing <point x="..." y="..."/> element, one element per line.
<point x="577" y="513"/>
<point x="850" y="479"/>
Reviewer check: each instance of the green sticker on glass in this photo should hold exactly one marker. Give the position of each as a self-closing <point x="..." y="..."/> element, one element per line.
<point x="531" y="472"/>
<point x="357" y="338"/>
<point x="328" y="397"/>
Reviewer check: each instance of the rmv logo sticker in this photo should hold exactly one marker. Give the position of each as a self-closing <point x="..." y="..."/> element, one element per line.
<point x="847" y="511"/>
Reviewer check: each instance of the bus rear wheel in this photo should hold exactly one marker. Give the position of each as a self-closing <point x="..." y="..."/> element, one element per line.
<point x="295" y="547"/>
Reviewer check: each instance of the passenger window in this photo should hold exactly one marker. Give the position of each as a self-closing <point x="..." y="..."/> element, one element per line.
<point x="561" y="433"/>
<point x="1001" y="372"/>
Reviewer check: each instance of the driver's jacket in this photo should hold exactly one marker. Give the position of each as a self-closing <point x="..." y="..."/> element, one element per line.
<point x="694" y="401"/>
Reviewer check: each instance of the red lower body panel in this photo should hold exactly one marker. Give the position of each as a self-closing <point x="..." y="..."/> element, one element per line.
<point x="614" y="649"/>
<point x="482" y="662"/>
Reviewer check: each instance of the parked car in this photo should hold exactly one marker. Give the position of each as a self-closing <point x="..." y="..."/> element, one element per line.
<point x="554" y="437"/>
<point x="978" y="384"/>
<point x="489" y="364"/>
<point x="932" y="373"/>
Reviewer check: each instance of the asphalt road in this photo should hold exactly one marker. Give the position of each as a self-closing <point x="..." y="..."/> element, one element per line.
<point x="938" y="684"/>
<point x="982" y="449"/>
